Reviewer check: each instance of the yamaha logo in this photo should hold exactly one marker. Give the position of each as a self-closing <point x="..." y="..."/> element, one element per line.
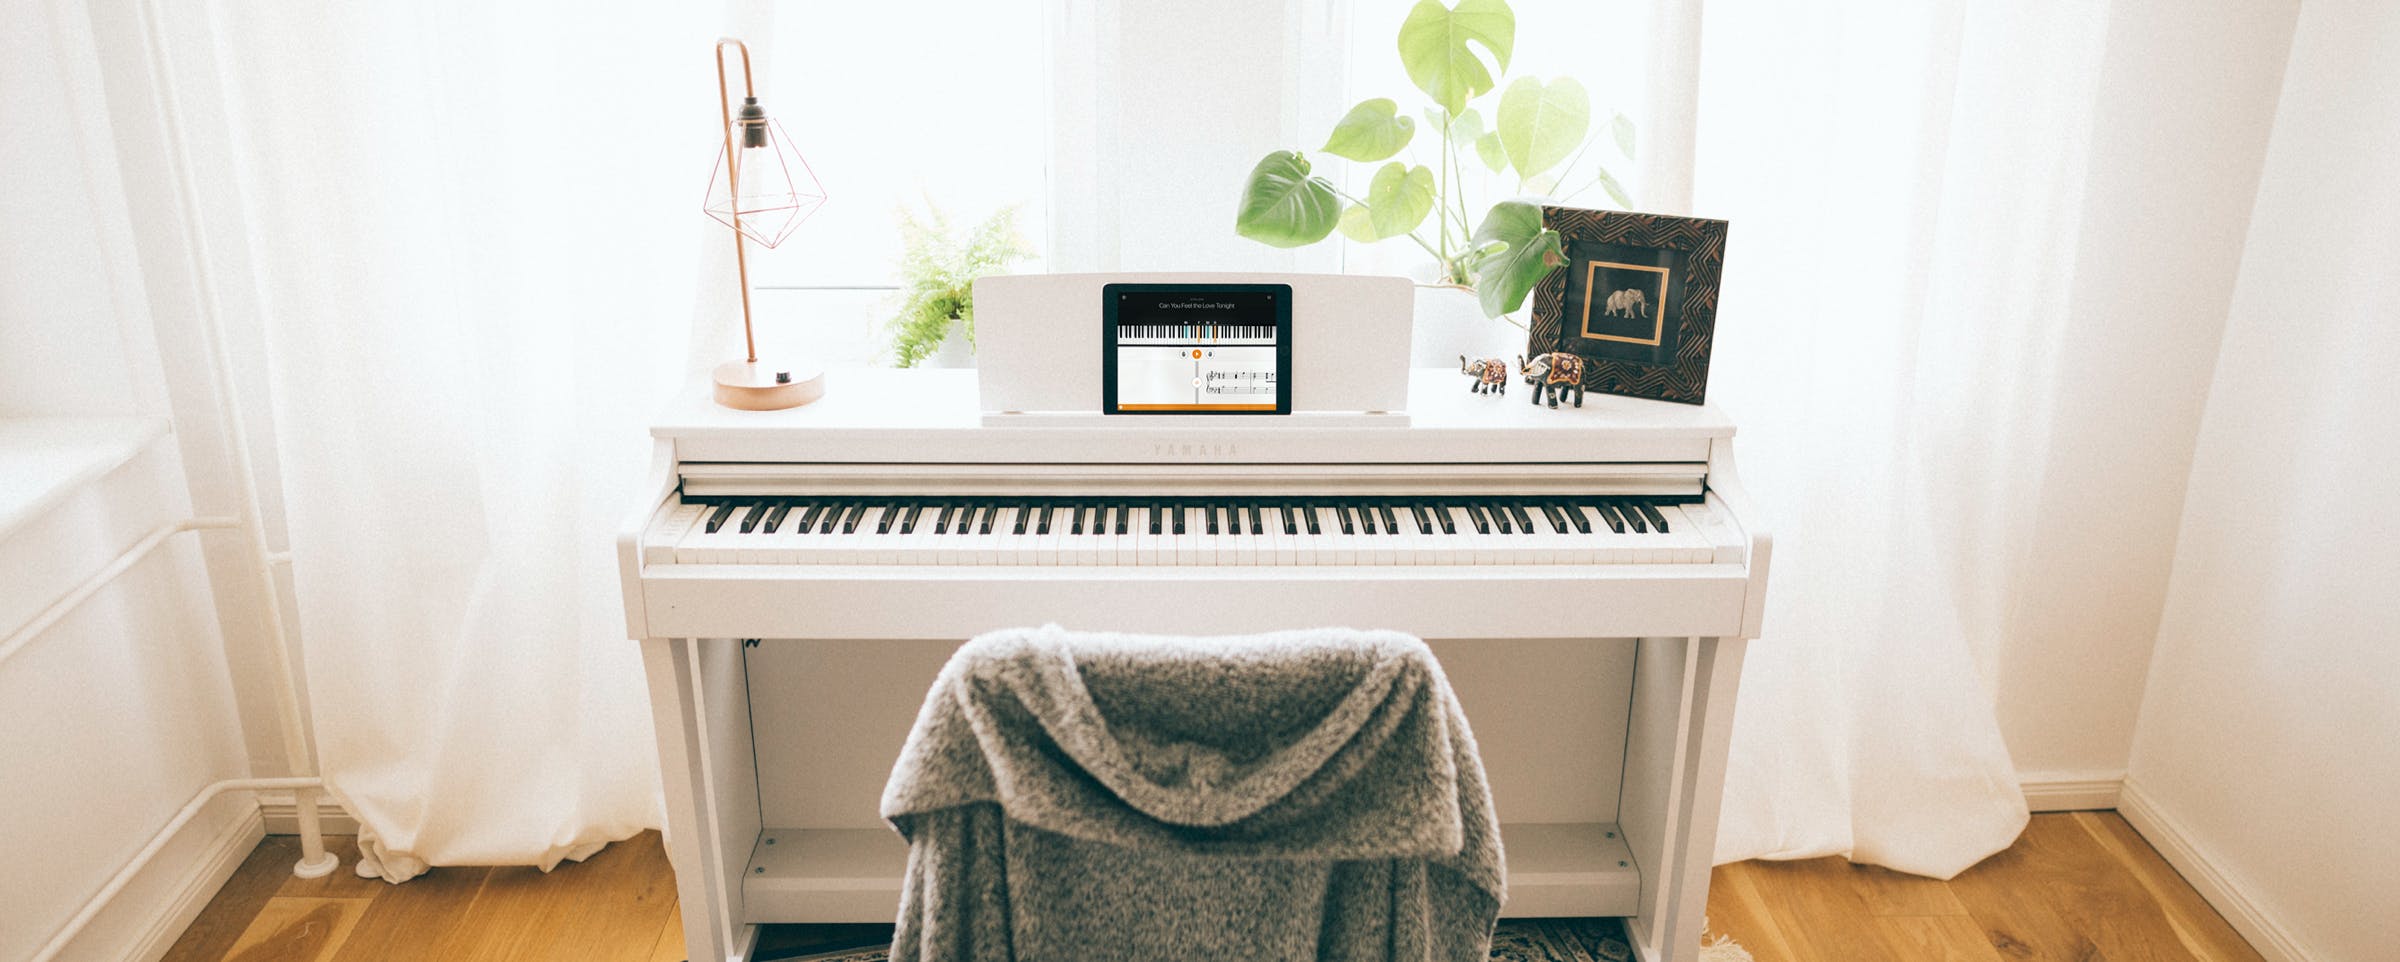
<point x="1192" y="450"/>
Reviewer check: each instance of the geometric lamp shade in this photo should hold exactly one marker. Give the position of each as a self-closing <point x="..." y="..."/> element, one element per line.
<point x="778" y="189"/>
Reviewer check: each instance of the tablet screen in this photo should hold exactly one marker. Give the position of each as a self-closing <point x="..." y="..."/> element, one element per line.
<point x="1197" y="349"/>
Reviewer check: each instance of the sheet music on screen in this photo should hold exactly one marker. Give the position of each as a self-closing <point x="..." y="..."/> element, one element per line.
<point x="1197" y="351"/>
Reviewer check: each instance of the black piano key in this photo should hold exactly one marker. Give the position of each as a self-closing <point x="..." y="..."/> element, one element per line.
<point x="1391" y="524"/>
<point x="883" y="522"/>
<point x="716" y="519"/>
<point x="1481" y="516"/>
<point x="1559" y="522"/>
<point x="1633" y="518"/>
<point x="988" y="513"/>
<point x="1348" y="518"/>
<point x="1257" y="516"/>
<point x="1042" y="515"/>
<point x="1082" y="511"/>
<point x="852" y="515"/>
<point x="1308" y="513"/>
<point x="1574" y="516"/>
<point x="1291" y="519"/>
<point x="1608" y="514"/>
<point x="1121" y="514"/>
<point x="1024" y="517"/>
<point x="1657" y="520"/>
<point x="1180" y="516"/>
<point x="1500" y="518"/>
<point x="1524" y="521"/>
<point x="808" y="518"/>
<point x="1438" y="519"/>
<point x="1209" y="511"/>
<point x="1155" y="513"/>
<point x="941" y="518"/>
<point x="908" y="518"/>
<point x="1366" y="519"/>
<point x="775" y="517"/>
<point x="751" y="518"/>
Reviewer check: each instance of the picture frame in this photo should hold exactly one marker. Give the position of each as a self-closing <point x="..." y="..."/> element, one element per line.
<point x="1636" y="300"/>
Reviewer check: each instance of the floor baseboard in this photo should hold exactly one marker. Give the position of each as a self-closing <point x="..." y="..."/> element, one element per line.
<point x="2184" y="853"/>
<point x="283" y="816"/>
<point x="223" y="855"/>
<point x="2071" y="791"/>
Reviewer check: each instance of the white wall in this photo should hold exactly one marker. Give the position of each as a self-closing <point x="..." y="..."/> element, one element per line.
<point x="116" y="716"/>
<point x="2267" y="735"/>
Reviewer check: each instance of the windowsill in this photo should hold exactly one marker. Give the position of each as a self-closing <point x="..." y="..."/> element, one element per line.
<point x="42" y="459"/>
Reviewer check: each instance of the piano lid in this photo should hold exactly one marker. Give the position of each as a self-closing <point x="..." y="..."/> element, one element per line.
<point x="933" y="417"/>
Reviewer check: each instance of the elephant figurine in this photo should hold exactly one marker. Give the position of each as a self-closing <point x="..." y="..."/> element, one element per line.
<point x="1630" y="302"/>
<point x="1490" y="374"/>
<point x="1553" y="375"/>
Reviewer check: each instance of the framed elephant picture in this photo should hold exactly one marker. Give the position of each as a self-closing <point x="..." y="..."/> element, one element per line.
<point x="1635" y="302"/>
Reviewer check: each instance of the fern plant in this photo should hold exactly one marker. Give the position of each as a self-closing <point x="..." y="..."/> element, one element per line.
<point x="938" y="268"/>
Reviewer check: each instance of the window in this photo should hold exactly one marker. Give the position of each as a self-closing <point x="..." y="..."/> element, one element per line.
<point x="900" y="102"/>
<point x="1602" y="44"/>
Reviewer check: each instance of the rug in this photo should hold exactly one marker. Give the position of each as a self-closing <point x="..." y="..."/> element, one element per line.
<point x="1516" y="940"/>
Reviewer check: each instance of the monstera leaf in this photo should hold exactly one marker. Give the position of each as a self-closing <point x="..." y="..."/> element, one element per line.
<point x="1399" y="198"/>
<point x="1284" y="205"/>
<point x="1371" y="131"/>
<point x="1504" y="275"/>
<point x="1358" y="224"/>
<point x="1540" y="124"/>
<point x="1433" y="46"/>
<point x="1494" y="156"/>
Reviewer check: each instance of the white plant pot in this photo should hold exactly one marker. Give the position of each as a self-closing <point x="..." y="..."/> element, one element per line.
<point x="1450" y="323"/>
<point x="955" y="350"/>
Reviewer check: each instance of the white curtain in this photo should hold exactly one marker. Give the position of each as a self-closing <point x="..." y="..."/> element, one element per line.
<point x="475" y="237"/>
<point x="1903" y="180"/>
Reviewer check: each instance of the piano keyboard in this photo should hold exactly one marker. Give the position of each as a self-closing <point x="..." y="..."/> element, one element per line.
<point x="1195" y="333"/>
<point x="1193" y="531"/>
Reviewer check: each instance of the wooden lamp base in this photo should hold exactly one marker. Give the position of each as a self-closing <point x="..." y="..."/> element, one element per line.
<point x="768" y="385"/>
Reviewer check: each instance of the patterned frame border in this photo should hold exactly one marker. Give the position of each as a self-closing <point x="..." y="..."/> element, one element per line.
<point x="1703" y="243"/>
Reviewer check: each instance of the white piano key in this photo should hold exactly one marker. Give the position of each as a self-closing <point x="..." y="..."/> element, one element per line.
<point x="1690" y="536"/>
<point x="1209" y="540"/>
<point x="1542" y="542"/>
<point x="1725" y="543"/>
<point x="781" y="546"/>
<point x="1045" y="543"/>
<point x="917" y="545"/>
<point x="1333" y="547"/>
<point x="1030" y="540"/>
<point x="1375" y="547"/>
<point x="1187" y="544"/>
<point x="658" y="546"/>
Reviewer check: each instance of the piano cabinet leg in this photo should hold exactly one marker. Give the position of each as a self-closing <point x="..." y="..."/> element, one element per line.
<point x="1676" y="738"/>
<point x="699" y="705"/>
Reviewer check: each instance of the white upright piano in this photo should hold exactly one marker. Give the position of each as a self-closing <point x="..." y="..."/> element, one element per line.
<point x="1588" y="577"/>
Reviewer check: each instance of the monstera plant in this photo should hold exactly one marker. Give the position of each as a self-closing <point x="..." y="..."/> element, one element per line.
<point x="1539" y="130"/>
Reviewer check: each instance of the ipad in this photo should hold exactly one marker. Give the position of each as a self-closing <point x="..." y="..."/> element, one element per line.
<point x="1196" y="349"/>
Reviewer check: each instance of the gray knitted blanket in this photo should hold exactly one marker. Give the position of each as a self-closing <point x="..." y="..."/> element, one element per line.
<point x="1297" y="795"/>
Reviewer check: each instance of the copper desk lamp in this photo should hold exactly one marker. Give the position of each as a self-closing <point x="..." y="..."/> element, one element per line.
<point x="767" y="190"/>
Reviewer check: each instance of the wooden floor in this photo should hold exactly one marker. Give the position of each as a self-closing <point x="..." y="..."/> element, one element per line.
<point x="2077" y="887"/>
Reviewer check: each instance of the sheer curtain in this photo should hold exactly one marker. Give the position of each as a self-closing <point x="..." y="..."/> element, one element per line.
<point x="475" y="240"/>
<point x="1904" y="181"/>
